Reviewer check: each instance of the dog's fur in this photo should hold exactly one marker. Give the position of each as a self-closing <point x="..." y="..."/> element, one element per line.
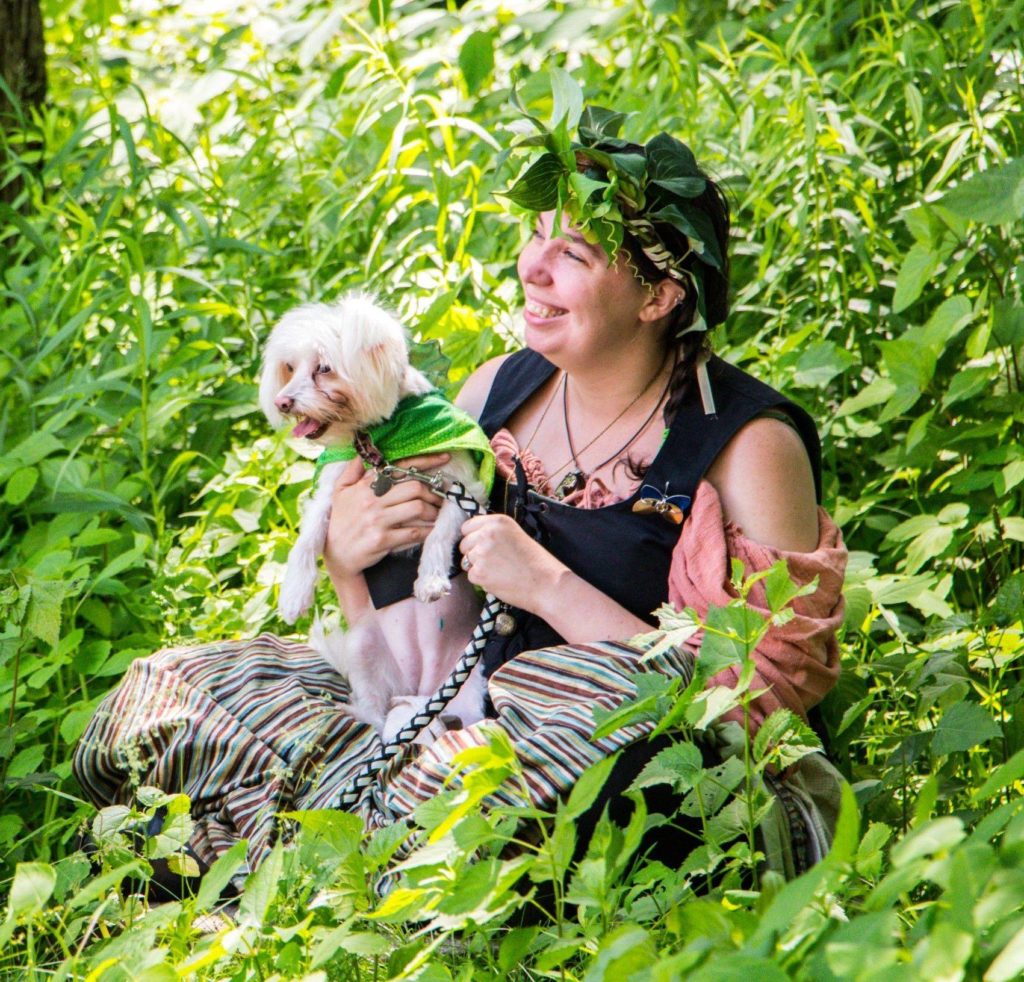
<point x="336" y="369"/>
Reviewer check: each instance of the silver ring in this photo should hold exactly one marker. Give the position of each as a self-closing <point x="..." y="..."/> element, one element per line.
<point x="466" y="564"/>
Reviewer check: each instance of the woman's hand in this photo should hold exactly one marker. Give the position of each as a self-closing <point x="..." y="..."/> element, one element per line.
<point x="505" y="561"/>
<point x="364" y="528"/>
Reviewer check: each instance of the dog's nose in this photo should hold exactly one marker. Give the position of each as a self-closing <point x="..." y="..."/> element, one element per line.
<point x="284" y="403"/>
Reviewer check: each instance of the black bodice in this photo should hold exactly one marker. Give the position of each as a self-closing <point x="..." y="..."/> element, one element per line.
<point x="626" y="555"/>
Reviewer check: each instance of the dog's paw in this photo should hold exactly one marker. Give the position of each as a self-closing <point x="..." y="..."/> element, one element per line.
<point x="429" y="588"/>
<point x="292" y="608"/>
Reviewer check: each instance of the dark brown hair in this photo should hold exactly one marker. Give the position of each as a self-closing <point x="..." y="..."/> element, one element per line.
<point x="716" y="293"/>
<point x="715" y="282"/>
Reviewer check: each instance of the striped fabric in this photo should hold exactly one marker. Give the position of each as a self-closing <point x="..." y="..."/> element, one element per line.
<point x="250" y="728"/>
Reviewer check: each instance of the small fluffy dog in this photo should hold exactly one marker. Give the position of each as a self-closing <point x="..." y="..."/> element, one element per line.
<point x="336" y="370"/>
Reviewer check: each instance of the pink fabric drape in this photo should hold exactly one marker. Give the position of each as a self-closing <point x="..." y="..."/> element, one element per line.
<point x="797" y="662"/>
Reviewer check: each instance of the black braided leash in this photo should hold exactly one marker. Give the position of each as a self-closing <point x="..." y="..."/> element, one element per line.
<point x="369" y="782"/>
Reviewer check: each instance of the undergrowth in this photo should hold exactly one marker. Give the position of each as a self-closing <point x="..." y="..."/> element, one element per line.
<point x="196" y="171"/>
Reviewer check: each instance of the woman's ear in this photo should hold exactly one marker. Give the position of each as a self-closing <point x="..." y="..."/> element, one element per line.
<point x="665" y="296"/>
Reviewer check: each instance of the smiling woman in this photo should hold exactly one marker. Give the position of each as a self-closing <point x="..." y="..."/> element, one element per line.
<point x="633" y="469"/>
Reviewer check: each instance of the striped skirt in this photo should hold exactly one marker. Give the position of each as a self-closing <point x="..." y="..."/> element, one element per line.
<point x="249" y="729"/>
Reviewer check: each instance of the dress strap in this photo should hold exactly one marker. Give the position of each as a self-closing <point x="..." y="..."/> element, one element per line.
<point x="695" y="438"/>
<point x="519" y="376"/>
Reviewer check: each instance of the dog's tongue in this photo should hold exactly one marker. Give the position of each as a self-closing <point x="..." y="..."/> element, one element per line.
<point x="305" y="427"/>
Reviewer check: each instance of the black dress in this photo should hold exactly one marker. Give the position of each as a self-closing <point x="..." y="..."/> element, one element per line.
<point x="624" y="554"/>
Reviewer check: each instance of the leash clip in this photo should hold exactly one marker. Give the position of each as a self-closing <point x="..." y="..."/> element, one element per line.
<point x="391" y="474"/>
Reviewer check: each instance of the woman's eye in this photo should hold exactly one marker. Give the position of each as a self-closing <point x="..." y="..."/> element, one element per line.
<point x="573" y="255"/>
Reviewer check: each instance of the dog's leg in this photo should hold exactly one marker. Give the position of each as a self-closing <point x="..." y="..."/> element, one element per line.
<point x="362" y="656"/>
<point x="299" y="586"/>
<point x="433" y="582"/>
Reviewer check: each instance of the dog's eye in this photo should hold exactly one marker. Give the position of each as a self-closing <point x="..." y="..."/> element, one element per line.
<point x="288" y="367"/>
<point x="323" y="369"/>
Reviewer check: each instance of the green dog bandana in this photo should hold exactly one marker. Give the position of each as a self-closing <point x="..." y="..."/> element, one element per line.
<point x="422" y="425"/>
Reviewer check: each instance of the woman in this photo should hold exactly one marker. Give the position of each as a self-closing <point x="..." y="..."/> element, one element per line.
<point x="606" y="426"/>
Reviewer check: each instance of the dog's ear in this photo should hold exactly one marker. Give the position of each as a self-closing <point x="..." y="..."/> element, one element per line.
<point x="270" y="385"/>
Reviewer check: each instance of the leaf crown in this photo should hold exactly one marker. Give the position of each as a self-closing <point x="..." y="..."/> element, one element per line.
<point x="610" y="187"/>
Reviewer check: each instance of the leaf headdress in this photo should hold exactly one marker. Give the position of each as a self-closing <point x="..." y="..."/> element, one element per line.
<point x="610" y="187"/>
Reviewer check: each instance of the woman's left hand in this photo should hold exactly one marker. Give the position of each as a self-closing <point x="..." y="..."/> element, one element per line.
<point x="505" y="561"/>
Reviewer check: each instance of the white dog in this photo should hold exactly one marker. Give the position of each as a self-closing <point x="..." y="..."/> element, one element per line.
<point x="337" y="370"/>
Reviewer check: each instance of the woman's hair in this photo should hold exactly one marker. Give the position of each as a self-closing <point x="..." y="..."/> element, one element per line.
<point x="714" y="282"/>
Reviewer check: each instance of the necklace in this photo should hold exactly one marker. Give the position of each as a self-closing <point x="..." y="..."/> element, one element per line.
<point x="576" y="479"/>
<point x="543" y="416"/>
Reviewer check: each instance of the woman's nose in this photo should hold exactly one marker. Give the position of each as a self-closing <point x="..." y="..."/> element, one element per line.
<point x="534" y="261"/>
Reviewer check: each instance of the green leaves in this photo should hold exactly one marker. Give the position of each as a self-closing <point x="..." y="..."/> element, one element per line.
<point x="963" y="726"/>
<point x="476" y="59"/>
<point x="994" y="196"/>
<point x="916" y="272"/>
<point x="32" y="888"/>
<point x="536" y="189"/>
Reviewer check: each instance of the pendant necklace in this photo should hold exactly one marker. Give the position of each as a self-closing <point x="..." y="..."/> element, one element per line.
<point x="577" y="478"/>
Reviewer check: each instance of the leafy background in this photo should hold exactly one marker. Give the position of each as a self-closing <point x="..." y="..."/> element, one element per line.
<point x="197" y="170"/>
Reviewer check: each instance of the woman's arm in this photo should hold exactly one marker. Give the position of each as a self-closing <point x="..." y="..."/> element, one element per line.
<point x="364" y="528"/>
<point x="506" y="561"/>
<point x="763" y="478"/>
<point x="511" y="565"/>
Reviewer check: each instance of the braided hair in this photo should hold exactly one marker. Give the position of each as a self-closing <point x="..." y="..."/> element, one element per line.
<point x="689" y="347"/>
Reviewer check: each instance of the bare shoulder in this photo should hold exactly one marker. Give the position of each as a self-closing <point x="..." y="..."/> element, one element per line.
<point x="473" y="394"/>
<point x="765" y="482"/>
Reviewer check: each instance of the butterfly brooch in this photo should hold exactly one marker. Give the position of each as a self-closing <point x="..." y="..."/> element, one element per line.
<point x="654" y="502"/>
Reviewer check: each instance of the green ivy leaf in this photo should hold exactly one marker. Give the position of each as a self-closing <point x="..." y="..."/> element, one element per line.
<point x="1002" y="777"/>
<point x="627" y="952"/>
<point x="568" y="99"/>
<point x="964" y="725"/>
<point x="537" y="188"/>
<point x="261" y="888"/>
<point x="379" y="10"/>
<point x="43" y="615"/>
<point x="219" y="875"/>
<point x="788" y="735"/>
<point x="20" y="485"/>
<point x="936" y="836"/>
<point x="1009" y="963"/>
<point x="32" y="888"/>
<point x="679" y="765"/>
<point x="917" y="269"/>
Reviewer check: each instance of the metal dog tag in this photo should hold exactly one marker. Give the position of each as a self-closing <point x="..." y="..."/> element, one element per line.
<point x="382" y="484"/>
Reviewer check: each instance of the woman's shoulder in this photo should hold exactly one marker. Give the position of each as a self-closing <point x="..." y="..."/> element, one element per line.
<point x="499" y="386"/>
<point x="472" y="396"/>
<point x="766" y="485"/>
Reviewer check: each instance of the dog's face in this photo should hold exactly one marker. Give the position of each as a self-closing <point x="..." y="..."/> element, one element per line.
<point x="333" y="369"/>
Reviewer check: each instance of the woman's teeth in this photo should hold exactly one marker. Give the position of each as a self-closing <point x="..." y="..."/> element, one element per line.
<point x="540" y="310"/>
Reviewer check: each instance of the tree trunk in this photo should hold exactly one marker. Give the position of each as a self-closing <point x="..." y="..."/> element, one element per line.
<point x="23" y="69"/>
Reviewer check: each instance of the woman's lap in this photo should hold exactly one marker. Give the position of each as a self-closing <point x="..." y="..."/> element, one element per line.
<point x="248" y="729"/>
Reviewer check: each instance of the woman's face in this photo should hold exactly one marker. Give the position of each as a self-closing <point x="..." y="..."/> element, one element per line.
<point x="578" y="308"/>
